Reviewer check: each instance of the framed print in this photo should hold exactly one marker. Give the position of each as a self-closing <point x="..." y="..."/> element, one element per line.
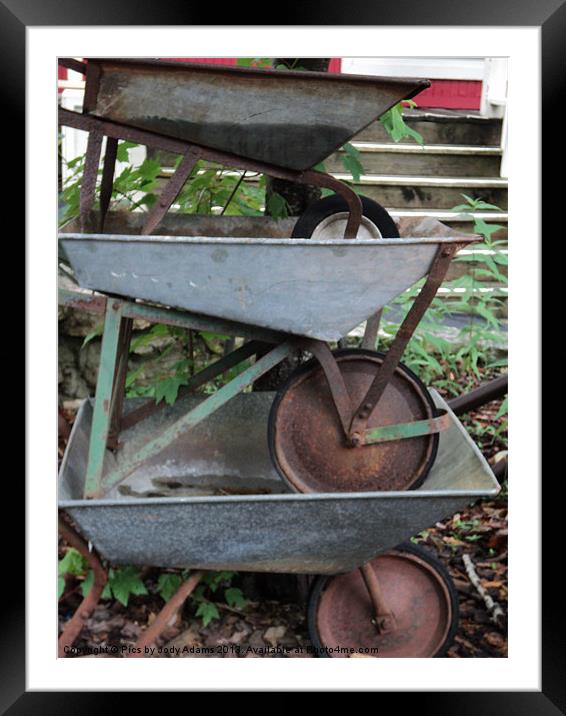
<point x="142" y="132"/>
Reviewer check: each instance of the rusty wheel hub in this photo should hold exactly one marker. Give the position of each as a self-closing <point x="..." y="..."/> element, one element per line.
<point x="416" y="592"/>
<point x="307" y="441"/>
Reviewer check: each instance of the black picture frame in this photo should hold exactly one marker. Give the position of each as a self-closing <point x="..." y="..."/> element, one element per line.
<point x="550" y="16"/>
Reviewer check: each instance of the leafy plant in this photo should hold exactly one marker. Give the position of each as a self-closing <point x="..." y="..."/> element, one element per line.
<point x="123" y="582"/>
<point x="210" y="584"/>
<point x="205" y="595"/>
<point x="395" y="125"/>
<point x="435" y="357"/>
<point x="72" y="563"/>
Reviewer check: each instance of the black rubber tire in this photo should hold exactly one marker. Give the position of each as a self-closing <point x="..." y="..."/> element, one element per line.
<point x="304" y="369"/>
<point x="320" y="583"/>
<point x="334" y="204"/>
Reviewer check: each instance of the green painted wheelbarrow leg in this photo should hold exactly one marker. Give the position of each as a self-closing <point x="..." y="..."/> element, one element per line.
<point x="102" y="416"/>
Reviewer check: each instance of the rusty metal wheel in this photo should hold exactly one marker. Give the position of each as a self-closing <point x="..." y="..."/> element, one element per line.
<point x="418" y="590"/>
<point x="307" y="443"/>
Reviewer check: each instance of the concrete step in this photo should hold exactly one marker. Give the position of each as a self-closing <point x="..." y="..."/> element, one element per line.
<point x="427" y="160"/>
<point x="459" y="222"/>
<point x="422" y="192"/>
<point x="441" y="127"/>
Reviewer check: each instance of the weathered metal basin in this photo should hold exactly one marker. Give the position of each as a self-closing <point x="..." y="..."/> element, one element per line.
<point x="291" y="119"/>
<point x="213" y="500"/>
<point x="316" y="288"/>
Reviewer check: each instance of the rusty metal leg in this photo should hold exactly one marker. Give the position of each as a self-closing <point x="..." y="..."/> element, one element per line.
<point x="90" y="174"/>
<point x="107" y="178"/>
<point x="334" y="378"/>
<point x="74" y="626"/>
<point x="165" y="615"/>
<point x="119" y="387"/>
<point x="170" y="192"/>
<point x="349" y="195"/>
<point x="384" y="617"/>
<point x="404" y="334"/>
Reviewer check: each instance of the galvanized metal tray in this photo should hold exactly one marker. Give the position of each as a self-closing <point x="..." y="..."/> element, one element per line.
<point x="213" y="500"/>
<point x="290" y="119"/>
<point x="316" y="288"/>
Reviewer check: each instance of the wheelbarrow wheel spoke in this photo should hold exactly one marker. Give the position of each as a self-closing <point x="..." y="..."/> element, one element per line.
<point x="308" y="444"/>
<point x="341" y="612"/>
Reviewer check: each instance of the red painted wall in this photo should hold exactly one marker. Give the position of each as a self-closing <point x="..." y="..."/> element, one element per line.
<point x="451" y="94"/>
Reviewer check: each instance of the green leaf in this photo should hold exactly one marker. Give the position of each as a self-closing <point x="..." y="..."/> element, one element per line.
<point x="73" y="563"/>
<point x="149" y="169"/>
<point x="485" y="229"/>
<point x="215" y="579"/>
<point x="351" y="161"/>
<point x="122" y="153"/>
<point x="159" y="330"/>
<point x="167" y="585"/>
<point x="502" y="410"/>
<point x="395" y="126"/>
<point x="235" y="598"/>
<point x="207" y="611"/>
<point x="168" y="389"/>
<point x="125" y="581"/>
<point x="60" y="586"/>
<point x="484" y="205"/>
<point x="277" y="206"/>
<point x="93" y="334"/>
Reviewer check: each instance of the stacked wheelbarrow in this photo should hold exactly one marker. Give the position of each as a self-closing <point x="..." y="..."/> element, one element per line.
<point x="353" y="455"/>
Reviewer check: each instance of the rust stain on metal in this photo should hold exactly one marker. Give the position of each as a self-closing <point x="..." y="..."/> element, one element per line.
<point x="307" y="439"/>
<point x="416" y="594"/>
<point x="376" y="390"/>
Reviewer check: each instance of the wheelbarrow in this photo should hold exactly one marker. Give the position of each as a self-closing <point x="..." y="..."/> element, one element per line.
<point x="325" y="433"/>
<point x="213" y="500"/>
<point x="198" y="484"/>
<point x="279" y="123"/>
<point x="347" y="420"/>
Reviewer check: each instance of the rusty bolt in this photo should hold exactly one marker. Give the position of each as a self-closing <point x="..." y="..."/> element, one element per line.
<point x="355" y="439"/>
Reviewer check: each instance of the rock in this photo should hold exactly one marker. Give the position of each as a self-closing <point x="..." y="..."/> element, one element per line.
<point x="274" y="634"/>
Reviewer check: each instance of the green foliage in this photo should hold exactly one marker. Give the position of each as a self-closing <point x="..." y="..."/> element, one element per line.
<point x="122" y="582"/>
<point x="206" y="595"/>
<point x="168" y="388"/>
<point x="207" y="611"/>
<point x="167" y="584"/>
<point x="93" y="334"/>
<point x="235" y="598"/>
<point x="71" y="563"/>
<point x="433" y="357"/>
<point x="395" y="125"/>
<point x="277" y="206"/>
<point x="351" y="161"/>
<point x="262" y="62"/>
<point x="208" y="588"/>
